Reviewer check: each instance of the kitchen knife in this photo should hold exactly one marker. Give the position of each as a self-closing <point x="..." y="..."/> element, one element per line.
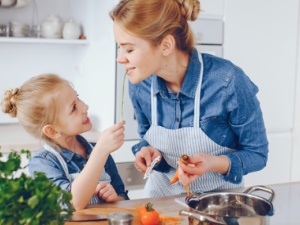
<point x="85" y="217"/>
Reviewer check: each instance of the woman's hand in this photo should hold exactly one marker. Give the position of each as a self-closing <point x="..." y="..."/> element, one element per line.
<point x="106" y="191"/>
<point x="199" y="164"/>
<point x="144" y="157"/>
<point x="112" y="138"/>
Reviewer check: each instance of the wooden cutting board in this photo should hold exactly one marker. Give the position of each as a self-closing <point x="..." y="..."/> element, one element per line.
<point x="105" y="211"/>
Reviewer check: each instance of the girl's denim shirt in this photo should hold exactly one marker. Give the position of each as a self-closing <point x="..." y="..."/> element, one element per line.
<point x="230" y="112"/>
<point x="45" y="162"/>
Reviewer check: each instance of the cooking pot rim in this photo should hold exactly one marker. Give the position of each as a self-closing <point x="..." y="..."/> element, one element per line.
<point x="246" y="193"/>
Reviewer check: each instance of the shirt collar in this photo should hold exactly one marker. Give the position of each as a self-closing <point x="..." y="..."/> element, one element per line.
<point x="68" y="155"/>
<point x="190" y="81"/>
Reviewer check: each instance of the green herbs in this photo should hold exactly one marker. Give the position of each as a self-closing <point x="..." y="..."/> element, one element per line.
<point x="26" y="200"/>
<point x="122" y="101"/>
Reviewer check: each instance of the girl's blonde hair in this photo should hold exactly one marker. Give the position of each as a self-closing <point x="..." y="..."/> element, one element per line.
<point x="153" y="20"/>
<point x="34" y="103"/>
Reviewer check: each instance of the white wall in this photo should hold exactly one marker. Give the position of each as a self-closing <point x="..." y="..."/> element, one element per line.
<point x="262" y="38"/>
<point x="295" y="175"/>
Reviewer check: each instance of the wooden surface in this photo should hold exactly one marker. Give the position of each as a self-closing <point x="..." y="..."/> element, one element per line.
<point x="166" y="206"/>
<point x="286" y="206"/>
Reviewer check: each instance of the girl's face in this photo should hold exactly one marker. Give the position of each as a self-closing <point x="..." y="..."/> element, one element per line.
<point x="73" y="119"/>
<point x="137" y="55"/>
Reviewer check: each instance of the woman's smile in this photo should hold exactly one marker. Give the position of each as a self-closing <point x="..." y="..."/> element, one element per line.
<point x="86" y="120"/>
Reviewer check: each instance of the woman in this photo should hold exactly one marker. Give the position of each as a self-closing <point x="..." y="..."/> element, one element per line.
<point x="186" y="102"/>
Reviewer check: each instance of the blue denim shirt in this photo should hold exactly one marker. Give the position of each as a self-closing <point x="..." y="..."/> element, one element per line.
<point x="230" y="112"/>
<point x="46" y="162"/>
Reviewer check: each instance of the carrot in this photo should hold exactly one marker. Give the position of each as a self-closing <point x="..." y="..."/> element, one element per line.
<point x="170" y="220"/>
<point x="185" y="160"/>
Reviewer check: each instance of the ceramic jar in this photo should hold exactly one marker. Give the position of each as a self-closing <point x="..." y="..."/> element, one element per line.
<point x="52" y="27"/>
<point x="71" y="30"/>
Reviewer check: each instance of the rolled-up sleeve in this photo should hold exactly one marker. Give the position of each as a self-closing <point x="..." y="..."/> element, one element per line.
<point x="246" y="122"/>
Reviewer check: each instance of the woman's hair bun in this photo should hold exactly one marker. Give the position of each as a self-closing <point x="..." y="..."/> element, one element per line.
<point x="190" y="9"/>
<point x="9" y="102"/>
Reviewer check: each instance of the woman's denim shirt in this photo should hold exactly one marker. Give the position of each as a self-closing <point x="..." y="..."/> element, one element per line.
<point x="230" y="112"/>
<point x="45" y="162"/>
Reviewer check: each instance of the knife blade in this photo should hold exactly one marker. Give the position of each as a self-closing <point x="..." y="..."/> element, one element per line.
<point x="85" y="217"/>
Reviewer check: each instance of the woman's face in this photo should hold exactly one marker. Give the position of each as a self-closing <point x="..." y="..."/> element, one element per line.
<point x="138" y="56"/>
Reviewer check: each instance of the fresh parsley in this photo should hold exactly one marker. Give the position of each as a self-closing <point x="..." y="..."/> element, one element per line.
<point x="28" y="200"/>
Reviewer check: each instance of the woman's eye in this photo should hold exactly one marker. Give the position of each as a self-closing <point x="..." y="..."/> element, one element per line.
<point x="128" y="51"/>
<point x="74" y="108"/>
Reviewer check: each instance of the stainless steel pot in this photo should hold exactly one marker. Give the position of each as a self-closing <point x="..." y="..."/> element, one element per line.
<point x="230" y="208"/>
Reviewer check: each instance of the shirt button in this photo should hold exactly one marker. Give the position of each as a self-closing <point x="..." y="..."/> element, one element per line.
<point x="177" y="120"/>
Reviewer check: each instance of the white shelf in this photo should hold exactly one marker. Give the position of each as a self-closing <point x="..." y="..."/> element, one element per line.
<point x="16" y="40"/>
<point x="14" y="137"/>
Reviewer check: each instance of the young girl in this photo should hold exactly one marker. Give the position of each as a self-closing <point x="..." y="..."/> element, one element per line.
<point x="49" y="108"/>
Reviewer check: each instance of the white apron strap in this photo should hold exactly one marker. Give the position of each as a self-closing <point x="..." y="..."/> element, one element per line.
<point x="60" y="159"/>
<point x="196" y="102"/>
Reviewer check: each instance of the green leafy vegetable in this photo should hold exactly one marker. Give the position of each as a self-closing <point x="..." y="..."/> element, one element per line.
<point x="29" y="200"/>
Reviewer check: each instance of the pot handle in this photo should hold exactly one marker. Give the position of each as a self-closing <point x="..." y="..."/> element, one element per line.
<point x="261" y="188"/>
<point x="199" y="216"/>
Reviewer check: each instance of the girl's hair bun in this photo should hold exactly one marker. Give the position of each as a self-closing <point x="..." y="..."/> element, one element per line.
<point x="9" y="102"/>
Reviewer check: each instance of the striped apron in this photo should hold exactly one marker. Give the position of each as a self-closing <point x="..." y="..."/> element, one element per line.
<point x="105" y="177"/>
<point x="173" y="143"/>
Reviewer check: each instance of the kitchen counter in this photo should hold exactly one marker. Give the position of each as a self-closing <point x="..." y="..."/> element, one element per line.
<point x="286" y="206"/>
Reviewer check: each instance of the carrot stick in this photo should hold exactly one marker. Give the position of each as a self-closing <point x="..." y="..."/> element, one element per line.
<point x="174" y="178"/>
<point x="185" y="160"/>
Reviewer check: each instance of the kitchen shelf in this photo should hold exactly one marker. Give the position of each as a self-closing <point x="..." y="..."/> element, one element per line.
<point x="16" y="40"/>
<point x="14" y="137"/>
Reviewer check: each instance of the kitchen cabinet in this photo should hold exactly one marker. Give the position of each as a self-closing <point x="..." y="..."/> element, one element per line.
<point x="262" y="38"/>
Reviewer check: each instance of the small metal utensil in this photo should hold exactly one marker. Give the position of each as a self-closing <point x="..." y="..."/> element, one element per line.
<point x="149" y="169"/>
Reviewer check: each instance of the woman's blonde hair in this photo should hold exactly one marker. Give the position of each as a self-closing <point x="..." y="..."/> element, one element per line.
<point x="34" y="103"/>
<point x="153" y="20"/>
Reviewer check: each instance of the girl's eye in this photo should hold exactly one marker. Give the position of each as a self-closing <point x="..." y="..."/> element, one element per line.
<point x="128" y="51"/>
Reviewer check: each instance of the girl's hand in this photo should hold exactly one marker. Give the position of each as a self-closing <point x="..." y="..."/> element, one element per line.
<point x="112" y="138"/>
<point x="144" y="157"/>
<point x="106" y="191"/>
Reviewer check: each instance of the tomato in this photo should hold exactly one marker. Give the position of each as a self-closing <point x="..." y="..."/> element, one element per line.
<point x="148" y="215"/>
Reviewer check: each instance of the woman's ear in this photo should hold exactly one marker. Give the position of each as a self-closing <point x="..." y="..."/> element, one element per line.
<point x="51" y="132"/>
<point x="168" y="44"/>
